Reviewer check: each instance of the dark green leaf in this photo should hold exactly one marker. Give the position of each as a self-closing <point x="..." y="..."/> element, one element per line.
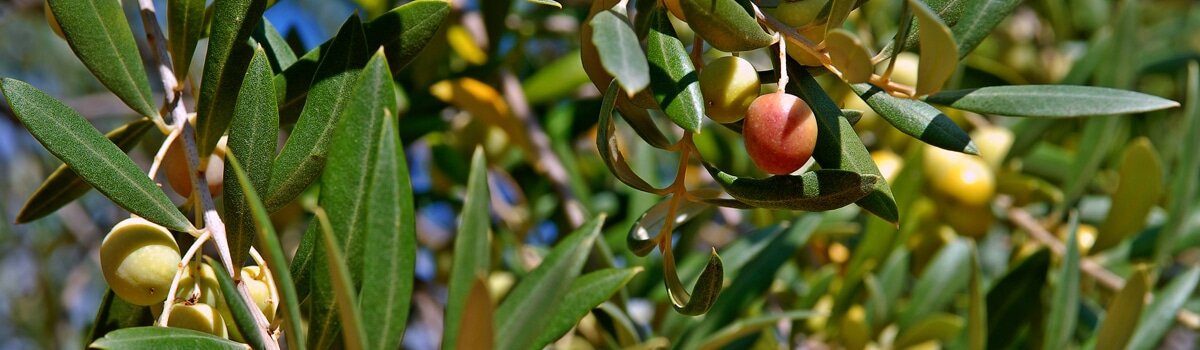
<point x="941" y="281"/>
<point x="917" y="119"/>
<point x="150" y="338"/>
<point x="1138" y="191"/>
<point x="243" y="315"/>
<point x="1160" y="314"/>
<point x="185" y="24"/>
<point x="675" y="81"/>
<point x="1064" y="304"/>
<point x="278" y="51"/>
<point x="402" y="32"/>
<point x="838" y="146"/>
<point x="620" y="52"/>
<point x="521" y="319"/>
<point x="818" y="190"/>
<point x="64" y="185"/>
<point x="704" y="294"/>
<point x="725" y="25"/>
<point x="586" y="293"/>
<point x="115" y="313"/>
<point x="610" y="152"/>
<point x="324" y="332"/>
<point x="253" y="133"/>
<point x="472" y="248"/>
<point x="978" y="21"/>
<point x="1015" y="299"/>
<point x="96" y="159"/>
<point x="643" y="236"/>
<point x="939" y="53"/>
<point x="1050" y="101"/>
<point x="100" y="36"/>
<point x="225" y="63"/>
<point x="1124" y="312"/>
<point x="303" y="156"/>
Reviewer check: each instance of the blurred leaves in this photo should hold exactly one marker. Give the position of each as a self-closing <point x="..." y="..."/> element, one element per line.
<point x="1138" y="191"/>
<point x="1064" y="304"/>
<point x="1124" y="312"/>
<point x="1014" y="302"/>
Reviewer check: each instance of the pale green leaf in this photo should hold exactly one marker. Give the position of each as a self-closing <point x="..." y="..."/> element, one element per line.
<point x="619" y="50"/>
<point x="1050" y="101"/>
<point x="150" y="338"/>
<point x="1064" y="304"/>
<point x="558" y="79"/>
<point x="1159" y="316"/>
<point x="673" y="79"/>
<point x="849" y="55"/>
<point x="939" y="55"/>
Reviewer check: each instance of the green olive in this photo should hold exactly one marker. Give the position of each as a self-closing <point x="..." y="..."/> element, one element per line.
<point x="198" y="317"/>
<point x="796" y="13"/>
<point x="262" y="290"/>
<point x="200" y="275"/>
<point x="139" y="259"/>
<point x="729" y="85"/>
<point x="962" y="178"/>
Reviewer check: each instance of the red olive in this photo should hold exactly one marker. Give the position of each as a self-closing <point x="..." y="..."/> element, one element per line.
<point x="780" y="133"/>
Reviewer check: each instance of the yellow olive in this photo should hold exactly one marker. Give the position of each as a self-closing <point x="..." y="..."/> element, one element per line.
<point x="138" y="259"/>
<point x="993" y="143"/>
<point x="967" y="220"/>
<point x="729" y="85"/>
<point x="815" y="34"/>
<point x="962" y="178"/>
<point x="200" y="275"/>
<point x="175" y="165"/>
<point x="796" y="13"/>
<point x="53" y="21"/>
<point x="889" y="163"/>
<point x="1085" y="236"/>
<point x="262" y="290"/>
<point x="198" y="317"/>
<point x="905" y="71"/>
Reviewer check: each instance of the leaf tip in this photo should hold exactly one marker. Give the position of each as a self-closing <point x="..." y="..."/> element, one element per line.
<point x="971" y="148"/>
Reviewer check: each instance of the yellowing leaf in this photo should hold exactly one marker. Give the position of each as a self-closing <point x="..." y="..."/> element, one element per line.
<point x="1138" y="190"/>
<point x="939" y="53"/>
<point x="849" y="55"/>
<point x="1124" y="313"/>
<point x="465" y="46"/>
<point x="483" y="102"/>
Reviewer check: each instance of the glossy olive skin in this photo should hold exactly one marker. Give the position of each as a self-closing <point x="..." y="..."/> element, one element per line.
<point x="796" y="13"/>
<point x="139" y="259"/>
<point x="780" y="133"/>
<point x="262" y="290"/>
<point x="175" y="165"/>
<point x="729" y="85"/>
<point x="963" y="179"/>
<point x="198" y="317"/>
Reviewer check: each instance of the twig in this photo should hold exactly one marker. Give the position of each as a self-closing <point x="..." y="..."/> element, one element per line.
<point x="1026" y="222"/>
<point x="173" y="103"/>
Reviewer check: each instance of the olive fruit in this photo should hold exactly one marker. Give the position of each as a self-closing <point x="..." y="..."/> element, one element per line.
<point x="780" y="133"/>
<point x="815" y="34"/>
<point x="796" y="13"/>
<point x="175" y="165"/>
<point x="729" y="85"/>
<point x="200" y="275"/>
<point x="139" y="259"/>
<point x="905" y="70"/>
<point x="1085" y="236"/>
<point x="993" y="143"/>
<point x="261" y="290"/>
<point x="198" y="317"/>
<point x="889" y="163"/>
<point x="961" y="178"/>
<point x="53" y="21"/>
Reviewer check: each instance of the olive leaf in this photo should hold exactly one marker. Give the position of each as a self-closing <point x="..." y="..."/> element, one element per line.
<point x="610" y="152"/>
<point x="1064" y="305"/>
<point x="1015" y="298"/>
<point x="472" y="253"/>
<point x="917" y="119"/>
<point x="643" y="235"/>
<point x="323" y="333"/>
<point x="276" y="46"/>
<point x="115" y="313"/>
<point x="941" y="327"/>
<point x="1159" y="316"/>
<point x="253" y="133"/>
<point x="151" y="337"/>
<point x="849" y="55"/>
<point x="227" y="57"/>
<point x="978" y="21"/>
<point x="99" y="34"/>
<point x="585" y="294"/>
<point x="1050" y="101"/>
<point x="185" y="23"/>
<point x="675" y="81"/>
<point x="941" y="281"/>
<point x="939" y="53"/>
<point x="619" y="50"/>
<point x="1124" y="312"/>
<point x="725" y="25"/>
<point x="243" y="314"/>
<point x="818" y="190"/>
<point x="703" y="295"/>
<point x="1138" y="191"/>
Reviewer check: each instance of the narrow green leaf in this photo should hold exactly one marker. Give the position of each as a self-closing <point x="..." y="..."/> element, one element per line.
<point x="977" y="332"/>
<point x="838" y="146"/>
<point x="939" y="53"/>
<point x="520" y="319"/>
<point x="1124" y="312"/>
<point x="115" y="313"/>
<point x="150" y="338"/>
<point x="610" y="152"/>
<point x="253" y="133"/>
<point x="1015" y="300"/>
<point x="100" y="36"/>
<point x="939" y="327"/>
<point x="477" y="332"/>
<point x="675" y="81"/>
<point x="978" y="21"/>
<point x="273" y="253"/>
<point x="96" y="159"/>
<point x="586" y="293"/>
<point x="1064" y="304"/>
<point x="818" y="190"/>
<point x="302" y="260"/>
<point x="278" y="51"/>
<point x="941" y="281"/>
<point x="1186" y="178"/>
<point x="343" y="292"/>
<point x="402" y="32"/>
<point x="303" y="156"/>
<point x="849" y="55"/>
<point x="547" y="3"/>
<point x="243" y="316"/>
<point x="472" y="248"/>
<point x="750" y="326"/>
<point x="643" y="236"/>
<point x="185" y="24"/>
<point x="225" y="62"/>
<point x="64" y="185"/>
<point x="620" y="52"/>
<point x="725" y="25"/>
<point x="917" y="119"/>
<point x="1138" y="191"/>
<point x="1050" y="101"/>
<point x="1160" y="314"/>
<point x="558" y="79"/>
<point x="704" y="294"/>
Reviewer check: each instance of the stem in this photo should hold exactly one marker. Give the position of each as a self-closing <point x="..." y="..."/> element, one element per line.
<point x="183" y="264"/>
<point x="162" y="151"/>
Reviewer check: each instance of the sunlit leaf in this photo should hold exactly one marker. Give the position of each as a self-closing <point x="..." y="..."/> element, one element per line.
<point x="620" y="52"/>
<point x="464" y="45"/>
<point x="818" y="190"/>
<point x="917" y="119"/>
<point x="253" y="133"/>
<point x="472" y="248"/>
<point x="849" y="55"/>
<point x="675" y="81"/>
<point x="276" y="46"/>
<point x="225" y="62"/>
<point x="1138" y="191"/>
<point x="560" y="78"/>
<point x="1124" y="312"/>
<point x="1050" y="101"/>
<point x="939" y="55"/>
<point x="185" y="24"/>
<point x="100" y="36"/>
<point x="96" y="159"/>
<point x="64" y="186"/>
<point x="149" y="338"/>
<point x="725" y="25"/>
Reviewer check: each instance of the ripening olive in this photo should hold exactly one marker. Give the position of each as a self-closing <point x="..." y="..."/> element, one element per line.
<point x="729" y="85"/>
<point x="175" y="165"/>
<point x="889" y="163"/>
<point x="199" y="317"/>
<point x="993" y="143"/>
<point x="780" y="132"/>
<point x="796" y="13"/>
<point x="962" y="178"/>
<point x="200" y="275"/>
<point x="139" y="259"/>
<point x="262" y="290"/>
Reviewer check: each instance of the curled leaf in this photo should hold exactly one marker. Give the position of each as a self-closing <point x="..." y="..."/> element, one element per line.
<point x="643" y="236"/>
<point x="606" y="143"/>
<point x="819" y="190"/>
<point x="939" y="53"/>
<point x="707" y="289"/>
<point x="849" y="55"/>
